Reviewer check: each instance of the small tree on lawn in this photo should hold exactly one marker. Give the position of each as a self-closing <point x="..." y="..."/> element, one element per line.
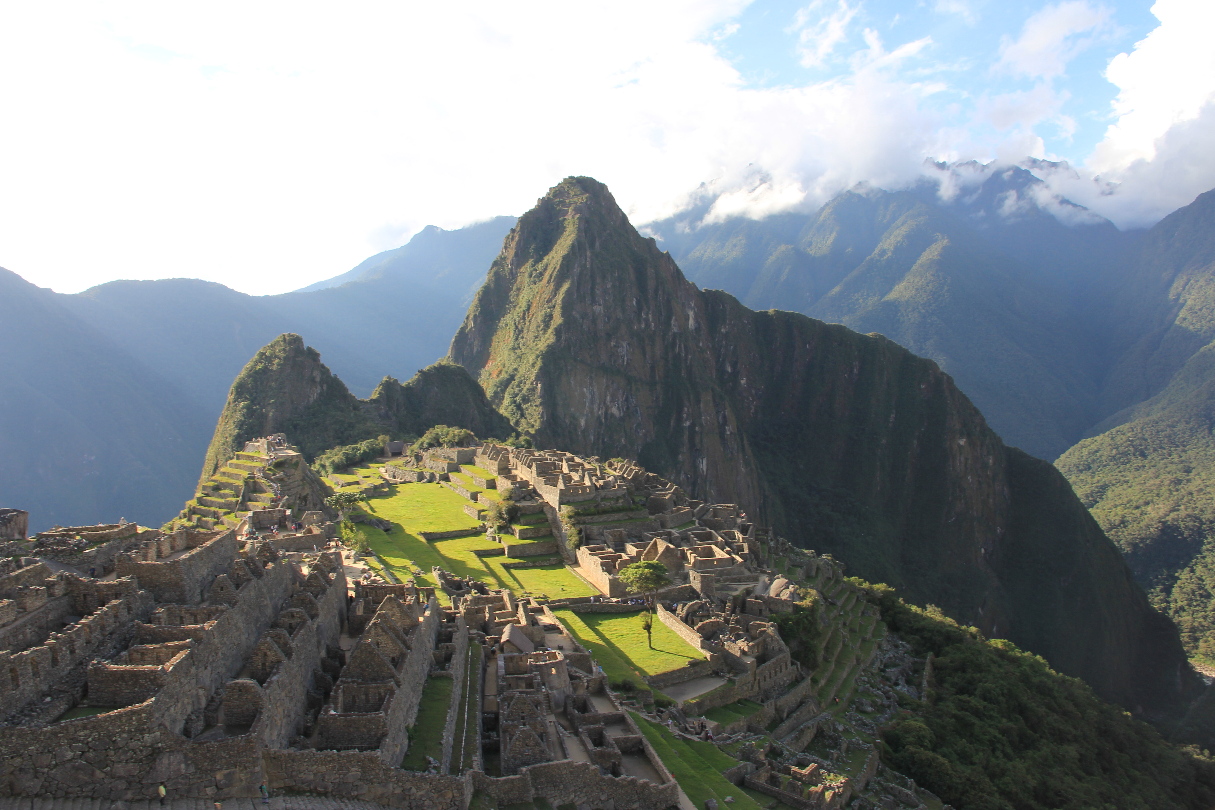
<point x="343" y="502"/>
<point x="644" y="577"/>
<point x="647" y="624"/>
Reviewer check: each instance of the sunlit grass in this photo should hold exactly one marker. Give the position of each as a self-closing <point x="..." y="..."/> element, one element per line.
<point x="414" y="508"/>
<point x="618" y="643"/>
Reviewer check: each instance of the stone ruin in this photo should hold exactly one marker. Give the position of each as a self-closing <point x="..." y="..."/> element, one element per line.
<point x="14" y="524"/>
<point x="216" y="660"/>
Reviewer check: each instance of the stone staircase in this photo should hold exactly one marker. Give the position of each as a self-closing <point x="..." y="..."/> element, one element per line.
<point x="227" y="497"/>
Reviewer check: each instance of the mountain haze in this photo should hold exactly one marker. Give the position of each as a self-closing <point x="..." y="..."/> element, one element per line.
<point x="589" y="337"/>
<point x="131" y="437"/>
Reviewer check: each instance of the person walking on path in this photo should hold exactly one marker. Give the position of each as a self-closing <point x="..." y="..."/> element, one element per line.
<point x="265" y="794"/>
<point x="160" y="791"/>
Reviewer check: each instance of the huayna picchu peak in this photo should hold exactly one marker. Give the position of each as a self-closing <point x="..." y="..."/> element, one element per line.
<point x="588" y="337"/>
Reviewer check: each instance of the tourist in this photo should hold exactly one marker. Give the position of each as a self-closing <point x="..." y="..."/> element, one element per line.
<point x="265" y="794"/>
<point x="160" y="791"/>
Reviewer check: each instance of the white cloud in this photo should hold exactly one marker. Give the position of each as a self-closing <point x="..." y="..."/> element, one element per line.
<point x="961" y="8"/>
<point x="1051" y="38"/>
<point x="264" y="146"/>
<point x="819" y="32"/>
<point x="1157" y="155"/>
<point x="1168" y="78"/>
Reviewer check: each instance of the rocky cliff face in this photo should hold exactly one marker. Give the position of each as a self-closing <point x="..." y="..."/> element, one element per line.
<point x="589" y="337"/>
<point x="286" y="388"/>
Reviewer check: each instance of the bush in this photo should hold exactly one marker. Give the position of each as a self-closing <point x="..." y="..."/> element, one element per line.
<point x="500" y="514"/>
<point x="573" y="532"/>
<point x="443" y="436"/>
<point x="349" y="455"/>
<point x="352" y="538"/>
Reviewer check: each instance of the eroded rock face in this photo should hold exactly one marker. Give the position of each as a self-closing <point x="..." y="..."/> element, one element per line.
<point x="590" y="338"/>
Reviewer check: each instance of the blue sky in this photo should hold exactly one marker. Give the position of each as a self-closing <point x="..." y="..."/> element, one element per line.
<point x="266" y="146"/>
<point x="963" y="42"/>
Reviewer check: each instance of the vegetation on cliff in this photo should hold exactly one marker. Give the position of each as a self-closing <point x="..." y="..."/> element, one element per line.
<point x="999" y="729"/>
<point x="1149" y="477"/>
<point x="286" y="388"/>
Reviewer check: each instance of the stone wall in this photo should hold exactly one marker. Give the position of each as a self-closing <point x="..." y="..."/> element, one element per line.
<point x="577" y="783"/>
<point x="458" y="668"/>
<point x="530" y="549"/>
<point x="691" y="670"/>
<point x="183" y="579"/>
<point x="362" y="775"/>
<point x="123" y="755"/>
<point x="681" y="628"/>
<point x="27" y="676"/>
<point x="412" y="678"/>
<point x="471" y="530"/>
<point x="14" y="524"/>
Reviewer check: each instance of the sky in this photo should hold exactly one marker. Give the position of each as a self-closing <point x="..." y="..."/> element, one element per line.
<point x="270" y="145"/>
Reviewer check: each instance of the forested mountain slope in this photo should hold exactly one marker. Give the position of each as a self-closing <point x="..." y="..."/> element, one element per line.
<point x="1149" y="478"/>
<point x="1006" y="298"/>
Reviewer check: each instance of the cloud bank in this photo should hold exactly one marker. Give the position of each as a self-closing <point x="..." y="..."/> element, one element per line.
<point x="266" y="147"/>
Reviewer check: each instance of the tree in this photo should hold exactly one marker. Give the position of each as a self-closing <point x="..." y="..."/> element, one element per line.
<point x="644" y="577"/>
<point x="343" y="502"/>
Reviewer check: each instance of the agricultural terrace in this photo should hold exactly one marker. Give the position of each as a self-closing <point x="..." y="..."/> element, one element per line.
<point x="618" y="643"/>
<point x="415" y="508"/>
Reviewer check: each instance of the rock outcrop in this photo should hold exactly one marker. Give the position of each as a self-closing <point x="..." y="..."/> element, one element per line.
<point x="286" y="389"/>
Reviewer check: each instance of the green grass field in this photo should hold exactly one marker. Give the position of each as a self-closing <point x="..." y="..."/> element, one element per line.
<point x="618" y="644"/>
<point x="697" y="767"/>
<point x="421" y="508"/>
<point x="733" y="712"/>
<point x="415" y="508"/>
<point x="426" y="736"/>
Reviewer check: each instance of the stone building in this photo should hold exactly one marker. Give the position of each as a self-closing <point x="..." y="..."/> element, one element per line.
<point x="14" y="524"/>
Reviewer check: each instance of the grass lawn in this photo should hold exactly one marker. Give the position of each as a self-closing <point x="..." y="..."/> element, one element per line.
<point x="697" y="767"/>
<point x="477" y="471"/>
<point x="414" y="508"/>
<point x="733" y="712"/>
<point x="554" y="581"/>
<point x="618" y="644"/>
<point x="426" y="736"/>
<point x="421" y="508"/>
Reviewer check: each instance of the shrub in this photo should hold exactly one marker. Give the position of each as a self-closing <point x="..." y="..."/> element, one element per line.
<point x="349" y="455"/>
<point x="443" y="436"/>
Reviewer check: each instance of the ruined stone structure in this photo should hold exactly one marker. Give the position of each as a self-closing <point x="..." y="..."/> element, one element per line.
<point x="14" y="524"/>
<point x="215" y="660"/>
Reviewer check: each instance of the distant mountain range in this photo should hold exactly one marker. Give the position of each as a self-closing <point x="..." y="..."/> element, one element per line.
<point x="111" y="395"/>
<point x="1073" y="338"/>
